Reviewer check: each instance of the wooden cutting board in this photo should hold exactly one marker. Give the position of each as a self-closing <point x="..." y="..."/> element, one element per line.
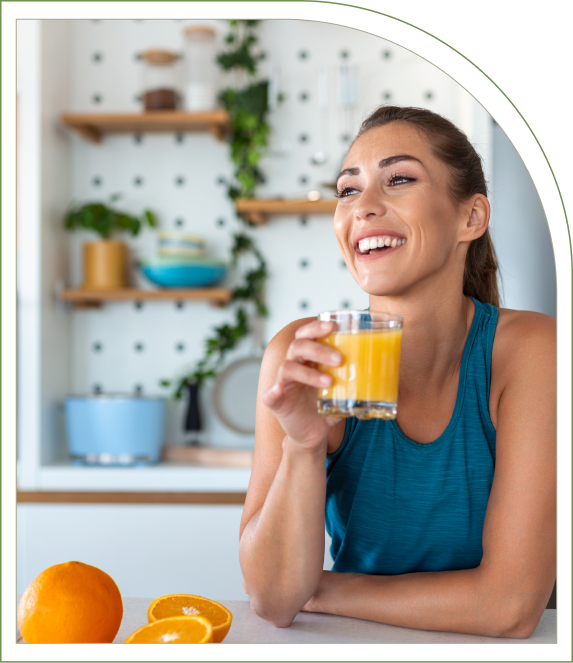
<point x="208" y="456"/>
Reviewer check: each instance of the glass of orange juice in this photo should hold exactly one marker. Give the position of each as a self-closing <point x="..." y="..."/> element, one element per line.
<point x="366" y="383"/>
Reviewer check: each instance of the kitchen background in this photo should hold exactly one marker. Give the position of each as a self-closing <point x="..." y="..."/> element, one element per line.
<point x="331" y="78"/>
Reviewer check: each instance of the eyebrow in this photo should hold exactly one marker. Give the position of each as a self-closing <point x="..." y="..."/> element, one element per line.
<point x="389" y="161"/>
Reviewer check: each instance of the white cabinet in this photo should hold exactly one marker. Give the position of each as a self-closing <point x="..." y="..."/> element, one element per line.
<point x="149" y="550"/>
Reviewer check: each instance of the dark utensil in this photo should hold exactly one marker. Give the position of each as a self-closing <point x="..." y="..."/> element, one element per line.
<point x="193" y="417"/>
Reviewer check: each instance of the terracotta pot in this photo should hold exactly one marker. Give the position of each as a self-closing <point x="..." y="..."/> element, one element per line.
<point x="105" y="265"/>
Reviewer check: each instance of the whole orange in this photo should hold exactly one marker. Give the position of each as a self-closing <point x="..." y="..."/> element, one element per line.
<point x="71" y="602"/>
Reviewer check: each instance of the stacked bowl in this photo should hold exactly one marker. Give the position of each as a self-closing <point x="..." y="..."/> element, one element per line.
<point x="181" y="263"/>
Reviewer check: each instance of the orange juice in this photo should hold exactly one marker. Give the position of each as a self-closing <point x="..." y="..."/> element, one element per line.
<point x="367" y="379"/>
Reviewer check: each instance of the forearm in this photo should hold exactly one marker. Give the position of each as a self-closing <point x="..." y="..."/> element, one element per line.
<point x="282" y="548"/>
<point x="464" y="601"/>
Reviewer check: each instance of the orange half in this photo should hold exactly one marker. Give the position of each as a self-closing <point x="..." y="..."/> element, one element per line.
<point x="174" y="605"/>
<point x="174" y="630"/>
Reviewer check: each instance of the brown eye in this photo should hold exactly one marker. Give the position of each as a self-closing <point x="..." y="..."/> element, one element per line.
<point x="344" y="193"/>
<point x="396" y="180"/>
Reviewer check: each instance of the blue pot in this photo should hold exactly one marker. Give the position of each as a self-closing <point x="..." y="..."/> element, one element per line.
<point x="183" y="273"/>
<point x="115" y="430"/>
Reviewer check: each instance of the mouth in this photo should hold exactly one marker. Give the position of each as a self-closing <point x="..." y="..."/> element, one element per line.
<point x="376" y="246"/>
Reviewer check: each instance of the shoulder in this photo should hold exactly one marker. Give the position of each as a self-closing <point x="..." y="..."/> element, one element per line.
<point x="278" y="345"/>
<point x="276" y="349"/>
<point x="524" y="331"/>
<point x="524" y="353"/>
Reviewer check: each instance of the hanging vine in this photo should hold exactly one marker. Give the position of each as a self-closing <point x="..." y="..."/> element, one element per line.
<point x="247" y="105"/>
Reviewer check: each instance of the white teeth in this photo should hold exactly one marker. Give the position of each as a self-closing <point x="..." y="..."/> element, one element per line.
<point x="404" y="240"/>
<point x="369" y="243"/>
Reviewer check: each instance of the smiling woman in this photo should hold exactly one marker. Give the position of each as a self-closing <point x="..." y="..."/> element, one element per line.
<point x="443" y="519"/>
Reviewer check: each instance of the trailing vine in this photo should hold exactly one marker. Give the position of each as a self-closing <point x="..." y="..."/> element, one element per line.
<point x="247" y="106"/>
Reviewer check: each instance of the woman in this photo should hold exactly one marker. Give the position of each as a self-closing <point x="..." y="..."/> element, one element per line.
<point x="445" y="518"/>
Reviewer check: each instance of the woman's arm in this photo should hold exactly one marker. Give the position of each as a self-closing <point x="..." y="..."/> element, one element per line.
<point x="507" y="593"/>
<point x="282" y="529"/>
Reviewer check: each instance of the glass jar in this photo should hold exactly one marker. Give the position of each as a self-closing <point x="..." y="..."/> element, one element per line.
<point x="200" y="68"/>
<point x="160" y="80"/>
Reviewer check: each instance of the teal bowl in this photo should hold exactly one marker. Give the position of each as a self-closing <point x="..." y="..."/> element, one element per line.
<point x="183" y="273"/>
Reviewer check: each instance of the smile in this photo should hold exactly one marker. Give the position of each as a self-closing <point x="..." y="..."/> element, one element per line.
<point x="377" y="246"/>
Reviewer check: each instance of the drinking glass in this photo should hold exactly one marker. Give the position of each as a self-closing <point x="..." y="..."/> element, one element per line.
<point x="365" y="385"/>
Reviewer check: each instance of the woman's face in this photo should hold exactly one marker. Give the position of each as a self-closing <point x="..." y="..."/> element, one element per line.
<point x="393" y="194"/>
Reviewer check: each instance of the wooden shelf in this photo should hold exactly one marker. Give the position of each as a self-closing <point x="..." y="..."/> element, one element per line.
<point x="93" y="126"/>
<point x="94" y="298"/>
<point x="257" y="210"/>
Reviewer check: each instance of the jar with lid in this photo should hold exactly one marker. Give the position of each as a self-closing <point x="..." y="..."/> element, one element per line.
<point x="160" y="80"/>
<point x="200" y="68"/>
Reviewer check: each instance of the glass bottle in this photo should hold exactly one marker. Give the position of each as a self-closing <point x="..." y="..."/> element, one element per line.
<point x="200" y="68"/>
<point x="160" y="81"/>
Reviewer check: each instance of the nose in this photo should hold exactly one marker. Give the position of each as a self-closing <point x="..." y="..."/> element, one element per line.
<point x="370" y="205"/>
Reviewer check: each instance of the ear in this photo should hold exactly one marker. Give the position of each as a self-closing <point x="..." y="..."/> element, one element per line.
<point x="475" y="217"/>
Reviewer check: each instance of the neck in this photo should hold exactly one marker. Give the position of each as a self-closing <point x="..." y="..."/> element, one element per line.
<point x="436" y="325"/>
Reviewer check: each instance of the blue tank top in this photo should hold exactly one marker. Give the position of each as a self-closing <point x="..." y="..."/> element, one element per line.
<point x="396" y="506"/>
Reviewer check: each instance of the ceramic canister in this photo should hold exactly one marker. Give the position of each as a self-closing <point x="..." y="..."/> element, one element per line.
<point x="105" y="265"/>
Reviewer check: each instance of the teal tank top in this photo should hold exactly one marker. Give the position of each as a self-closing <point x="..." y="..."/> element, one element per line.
<point x="396" y="506"/>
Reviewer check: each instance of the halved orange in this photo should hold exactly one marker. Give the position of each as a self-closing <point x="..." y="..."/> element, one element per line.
<point x="174" y="630"/>
<point x="189" y="604"/>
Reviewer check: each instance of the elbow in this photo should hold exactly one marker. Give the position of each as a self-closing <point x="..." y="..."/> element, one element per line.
<point x="272" y="611"/>
<point x="518" y="621"/>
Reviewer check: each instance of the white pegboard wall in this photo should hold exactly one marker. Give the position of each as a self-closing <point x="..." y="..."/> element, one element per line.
<point x="121" y="346"/>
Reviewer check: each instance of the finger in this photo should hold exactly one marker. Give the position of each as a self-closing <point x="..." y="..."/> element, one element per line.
<point x="294" y="371"/>
<point x="315" y="329"/>
<point x="245" y="590"/>
<point x="304" y="349"/>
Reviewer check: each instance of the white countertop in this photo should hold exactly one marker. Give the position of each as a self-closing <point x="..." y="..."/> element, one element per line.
<point x="308" y="627"/>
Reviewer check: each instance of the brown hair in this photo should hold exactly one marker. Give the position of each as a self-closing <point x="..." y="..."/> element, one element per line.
<point x="452" y="147"/>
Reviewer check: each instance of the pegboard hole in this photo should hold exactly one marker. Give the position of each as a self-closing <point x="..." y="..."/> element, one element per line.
<point x="138" y="138"/>
<point x="220" y="222"/>
<point x="344" y="54"/>
<point x="97" y="389"/>
<point x="303" y="220"/>
<point x="303" y="55"/>
<point x="97" y="181"/>
<point x="138" y="181"/>
<point x="179" y="305"/>
<point x="97" y="347"/>
<point x="138" y="306"/>
<point x="345" y="304"/>
<point x="429" y="94"/>
<point x="180" y="347"/>
<point x="179" y="223"/>
<point x="138" y="389"/>
<point x="97" y="98"/>
<point x="303" y="179"/>
<point x="97" y="57"/>
<point x="343" y="264"/>
<point x="179" y="138"/>
<point x="303" y="138"/>
<point x="303" y="304"/>
<point x="387" y="55"/>
<point x="179" y="180"/>
<point x="304" y="263"/>
<point x="386" y="96"/>
<point x="138" y="347"/>
<point x="304" y="96"/>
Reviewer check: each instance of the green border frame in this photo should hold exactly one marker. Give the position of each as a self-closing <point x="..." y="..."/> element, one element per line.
<point x="512" y="57"/>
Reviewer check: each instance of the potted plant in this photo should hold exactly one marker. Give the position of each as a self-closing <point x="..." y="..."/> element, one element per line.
<point x="105" y="261"/>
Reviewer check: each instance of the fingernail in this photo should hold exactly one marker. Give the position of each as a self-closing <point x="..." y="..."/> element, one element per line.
<point x="325" y="379"/>
<point x="325" y="325"/>
<point x="336" y="356"/>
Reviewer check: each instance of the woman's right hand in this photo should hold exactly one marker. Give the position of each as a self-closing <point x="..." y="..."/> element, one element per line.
<point x="293" y="397"/>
